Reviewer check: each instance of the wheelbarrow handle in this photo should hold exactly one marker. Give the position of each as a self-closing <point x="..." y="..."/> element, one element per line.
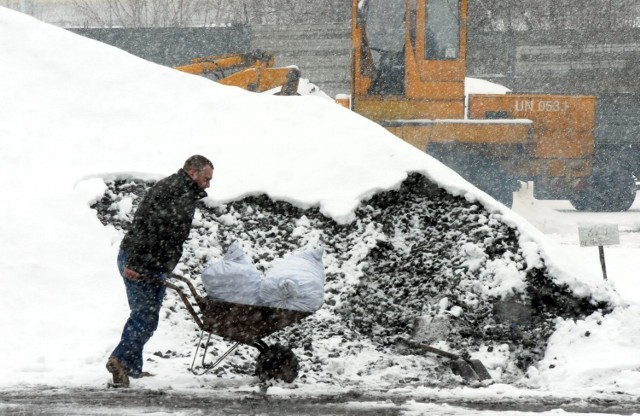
<point x="180" y="292"/>
<point x="192" y="288"/>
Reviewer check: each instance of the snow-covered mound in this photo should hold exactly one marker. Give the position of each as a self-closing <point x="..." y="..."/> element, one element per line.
<point x="413" y="255"/>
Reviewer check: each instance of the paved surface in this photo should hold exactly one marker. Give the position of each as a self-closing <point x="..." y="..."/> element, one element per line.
<point x="131" y="401"/>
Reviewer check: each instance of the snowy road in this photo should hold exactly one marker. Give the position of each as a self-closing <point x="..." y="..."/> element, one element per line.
<point x="152" y="402"/>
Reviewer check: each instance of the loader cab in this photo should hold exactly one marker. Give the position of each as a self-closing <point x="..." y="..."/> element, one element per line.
<point x="409" y="58"/>
<point x="385" y="38"/>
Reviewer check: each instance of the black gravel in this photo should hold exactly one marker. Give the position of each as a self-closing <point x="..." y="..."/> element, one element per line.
<point x="404" y="257"/>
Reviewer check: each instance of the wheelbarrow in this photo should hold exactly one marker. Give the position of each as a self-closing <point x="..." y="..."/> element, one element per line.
<point x="243" y="325"/>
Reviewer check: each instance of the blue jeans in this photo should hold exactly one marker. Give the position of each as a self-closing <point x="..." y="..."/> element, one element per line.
<point x="145" y="301"/>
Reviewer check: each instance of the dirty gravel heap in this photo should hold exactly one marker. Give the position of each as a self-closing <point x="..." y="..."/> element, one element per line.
<point x="417" y="252"/>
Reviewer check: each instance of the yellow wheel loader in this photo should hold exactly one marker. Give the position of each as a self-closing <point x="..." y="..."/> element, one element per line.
<point x="408" y="74"/>
<point x="408" y="71"/>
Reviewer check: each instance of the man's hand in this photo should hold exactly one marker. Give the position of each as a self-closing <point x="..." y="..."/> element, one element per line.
<point x="131" y="274"/>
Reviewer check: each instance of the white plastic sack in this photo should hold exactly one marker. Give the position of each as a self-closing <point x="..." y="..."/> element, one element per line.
<point x="296" y="282"/>
<point x="233" y="279"/>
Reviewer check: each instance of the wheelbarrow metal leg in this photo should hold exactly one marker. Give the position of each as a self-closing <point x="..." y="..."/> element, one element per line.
<point x="209" y="367"/>
<point x="195" y="354"/>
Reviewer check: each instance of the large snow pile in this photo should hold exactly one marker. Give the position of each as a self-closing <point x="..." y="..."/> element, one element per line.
<point x="413" y="255"/>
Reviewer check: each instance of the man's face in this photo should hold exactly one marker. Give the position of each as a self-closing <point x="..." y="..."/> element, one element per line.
<point x="202" y="177"/>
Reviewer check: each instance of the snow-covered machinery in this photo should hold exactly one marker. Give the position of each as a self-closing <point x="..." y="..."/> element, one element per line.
<point x="252" y="71"/>
<point x="408" y="74"/>
<point x="408" y="71"/>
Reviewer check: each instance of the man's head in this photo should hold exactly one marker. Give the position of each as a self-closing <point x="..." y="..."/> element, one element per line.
<point x="200" y="169"/>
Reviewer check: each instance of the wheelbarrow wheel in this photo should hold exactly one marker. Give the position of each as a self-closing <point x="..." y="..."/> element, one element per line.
<point x="277" y="362"/>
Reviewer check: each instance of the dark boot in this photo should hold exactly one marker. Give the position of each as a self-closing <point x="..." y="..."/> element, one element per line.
<point x="119" y="372"/>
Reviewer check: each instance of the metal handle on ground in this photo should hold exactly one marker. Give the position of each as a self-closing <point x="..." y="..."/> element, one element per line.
<point x="468" y="369"/>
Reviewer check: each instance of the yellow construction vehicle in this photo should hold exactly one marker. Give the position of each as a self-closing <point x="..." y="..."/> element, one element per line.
<point x="408" y="71"/>
<point x="252" y="71"/>
<point x="408" y="74"/>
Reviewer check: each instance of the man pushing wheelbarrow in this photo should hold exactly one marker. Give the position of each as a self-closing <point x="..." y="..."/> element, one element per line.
<point x="242" y="305"/>
<point x="152" y="247"/>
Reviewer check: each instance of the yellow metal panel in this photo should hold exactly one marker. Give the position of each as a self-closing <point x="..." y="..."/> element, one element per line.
<point x="490" y="133"/>
<point x="393" y="108"/>
<point x="564" y="125"/>
<point x="247" y="79"/>
<point x="264" y="79"/>
<point x="436" y="90"/>
<point x="344" y="101"/>
<point x="420" y="133"/>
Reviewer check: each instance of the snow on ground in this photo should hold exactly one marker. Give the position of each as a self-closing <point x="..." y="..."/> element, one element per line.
<point x="582" y="352"/>
<point x="75" y="112"/>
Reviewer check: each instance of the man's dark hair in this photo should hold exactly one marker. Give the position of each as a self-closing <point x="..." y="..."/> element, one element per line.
<point x="197" y="162"/>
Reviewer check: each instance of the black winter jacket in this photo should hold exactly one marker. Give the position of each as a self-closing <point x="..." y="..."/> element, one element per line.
<point x="161" y="224"/>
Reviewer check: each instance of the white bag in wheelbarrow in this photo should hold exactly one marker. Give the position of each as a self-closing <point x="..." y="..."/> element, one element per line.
<point x="296" y="282"/>
<point x="233" y="279"/>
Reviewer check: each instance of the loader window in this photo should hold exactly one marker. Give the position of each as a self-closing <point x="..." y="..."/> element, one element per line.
<point x="442" y="30"/>
<point x="385" y="24"/>
<point x="385" y="34"/>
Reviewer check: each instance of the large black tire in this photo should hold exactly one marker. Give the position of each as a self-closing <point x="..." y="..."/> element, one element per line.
<point x="277" y="362"/>
<point x="607" y="190"/>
